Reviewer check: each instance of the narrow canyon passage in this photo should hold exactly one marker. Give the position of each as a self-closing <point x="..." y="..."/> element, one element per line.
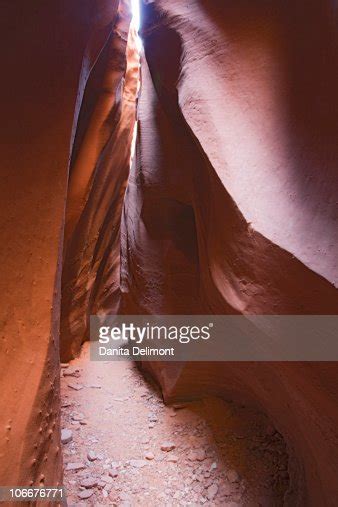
<point x="229" y="208"/>
<point x="123" y="446"/>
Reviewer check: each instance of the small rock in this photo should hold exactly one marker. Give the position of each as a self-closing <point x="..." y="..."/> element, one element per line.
<point x="153" y="418"/>
<point x="212" y="491"/>
<point x="77" y="416"/>
<point x="64" y="365"/>
<point x="89" y="483"/>
<point x="149" y="456"/>
<point x="66" y="436"/>
<point x="76" y="387"/>
<point x="179" y="406"/>
<point x="213" y="466"/>
<point x="106" y="479"/>
<point x="197" y="455"/>
<point x="75" y="466"/>
<point x="233" y="476"/>
<point x="66" y="404"/>
<point x="227" y="489"/>
<point x="167" y="446"/>
<point x="85" y="494"/>
<point x="172" y="458"/>
<point x="71" y="372"/>
<point x="145" y="440"/>
<point x="137" y="463"/>
<point x="113" y="473"/>
<point x="91" y="456"/>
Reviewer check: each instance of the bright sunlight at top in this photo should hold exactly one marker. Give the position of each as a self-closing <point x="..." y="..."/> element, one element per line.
<point x="135" y="6"/>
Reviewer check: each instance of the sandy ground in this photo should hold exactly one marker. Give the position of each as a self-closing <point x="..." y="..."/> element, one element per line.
<point x="123" y="446"/>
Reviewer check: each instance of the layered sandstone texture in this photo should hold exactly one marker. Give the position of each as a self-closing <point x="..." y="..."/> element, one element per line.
<point x="98" y="175"/>
<point x="231" y="205"/>
<point x="64" y="74"/>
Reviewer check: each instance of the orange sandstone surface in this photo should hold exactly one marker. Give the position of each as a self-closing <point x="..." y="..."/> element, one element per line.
<point x="230" y="206"/>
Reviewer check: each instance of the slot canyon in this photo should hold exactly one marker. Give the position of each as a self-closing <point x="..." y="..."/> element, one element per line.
<point x="184" y="167"/>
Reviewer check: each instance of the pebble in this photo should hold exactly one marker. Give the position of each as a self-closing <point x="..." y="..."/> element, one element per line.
<point x="113" y="473"/>
<point x="197" y="455"/>
<point x="66" y="404"/>
<point x="137" y="463"/>
<point x="75" y="466"/>
<point x="107" y="479"/>
<point x="167" y="446"/>
<point x="212" y="491"/>
<point x="233" y="476"/>
<point x="149" y="456"/>
<point x="66" y="436"/>
<point x="91" y="456"/>
<point x="172" y="458"/>
<point x="179" y="406"/>
<point x="226" y="489"/>
<point x="77" y="416"/>
<point x="89" y="482"/>
<point x="71" y="372"/>
<point x="85" y="494"/>
<point x="76" y="387"/>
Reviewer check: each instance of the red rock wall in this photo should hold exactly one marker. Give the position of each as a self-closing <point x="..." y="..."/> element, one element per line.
<point x="98" y="177"/>
<point x="49" y="53"/>
<point x="231" y="206"/>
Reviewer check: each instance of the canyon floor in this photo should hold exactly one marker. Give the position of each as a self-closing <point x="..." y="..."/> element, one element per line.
<point x="124" y="446"/>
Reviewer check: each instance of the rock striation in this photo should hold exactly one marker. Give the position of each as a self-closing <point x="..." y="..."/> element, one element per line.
<point x="231" y="206"/>
<point x="67" y="93"/>
<point x="99" y="171"/>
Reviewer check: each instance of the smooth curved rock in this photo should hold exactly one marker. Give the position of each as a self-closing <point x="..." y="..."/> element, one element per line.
<point x="231" y="206"/>
<point x="98" y="176"/>
<point x="50" y="50"/>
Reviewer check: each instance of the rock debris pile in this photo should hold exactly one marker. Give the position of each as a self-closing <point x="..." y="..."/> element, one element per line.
<point x="124" y="446"/>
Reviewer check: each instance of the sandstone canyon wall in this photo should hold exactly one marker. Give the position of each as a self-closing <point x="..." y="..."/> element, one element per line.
<point x="98" y="175"/>
<point x="231" y="206"/>
<point x="64" y="74"/>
